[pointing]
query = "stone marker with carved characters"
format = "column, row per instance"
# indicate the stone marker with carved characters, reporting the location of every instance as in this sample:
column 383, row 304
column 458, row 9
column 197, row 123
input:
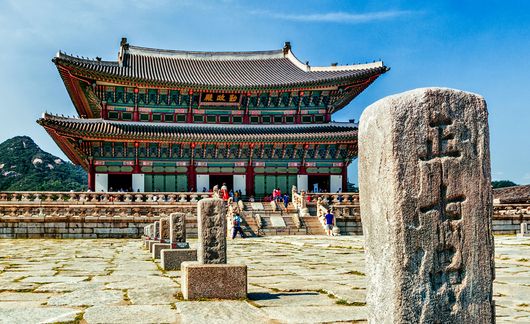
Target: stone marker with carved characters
column 211, row 277
column 179, row 250
column 426, row 206
column 164, row 238
column 211, row 226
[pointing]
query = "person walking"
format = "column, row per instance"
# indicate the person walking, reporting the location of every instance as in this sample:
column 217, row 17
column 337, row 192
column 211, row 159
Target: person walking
column 286, row 200
column 236, row 227
column 329, row 222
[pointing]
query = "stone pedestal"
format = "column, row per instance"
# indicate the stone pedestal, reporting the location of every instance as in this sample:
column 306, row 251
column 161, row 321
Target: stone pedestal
column 173, row 258
column 146, row 243
column 222, row 281
column 524, row 230
column 157, row 247
column 151, row 243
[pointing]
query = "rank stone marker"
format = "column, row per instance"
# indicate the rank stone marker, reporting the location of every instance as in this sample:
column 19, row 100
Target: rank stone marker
column 171, row 259
column 164, row 238
column 156, row 239
column 426, row 206
column 211, row 277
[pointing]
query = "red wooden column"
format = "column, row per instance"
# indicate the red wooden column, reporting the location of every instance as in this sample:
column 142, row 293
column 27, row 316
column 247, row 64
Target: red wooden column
column 344, row 177
column 91, row 176
column 104, row 111
column 192, row 173
column 189, row 115
column 136, row 113
column 250, row 180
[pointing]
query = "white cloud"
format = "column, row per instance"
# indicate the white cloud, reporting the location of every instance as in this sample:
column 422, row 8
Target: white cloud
column 339, row 17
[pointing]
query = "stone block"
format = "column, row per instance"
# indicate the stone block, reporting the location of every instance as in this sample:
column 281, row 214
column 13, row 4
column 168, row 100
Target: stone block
column 151, row 243
column 221, row 281
column 146, row 244
column 426, row 206
column 171, row 259
column 157, row 247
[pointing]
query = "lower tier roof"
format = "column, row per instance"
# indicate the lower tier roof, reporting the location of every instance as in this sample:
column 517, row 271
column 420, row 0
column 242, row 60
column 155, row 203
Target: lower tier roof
column 99, row 129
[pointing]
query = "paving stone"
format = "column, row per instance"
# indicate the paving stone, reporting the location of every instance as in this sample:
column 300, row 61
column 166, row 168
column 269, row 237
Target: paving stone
column 312, row 314
column 18, row 313
column 61, row 287
column 150, row 296
column 82, row 297
column 53, row 279
column 23, row 296
column 131, row 314
column 220, row 312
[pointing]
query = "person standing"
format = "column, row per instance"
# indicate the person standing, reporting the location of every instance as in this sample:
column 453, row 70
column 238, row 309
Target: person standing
column 236, row 227
column 329, row 222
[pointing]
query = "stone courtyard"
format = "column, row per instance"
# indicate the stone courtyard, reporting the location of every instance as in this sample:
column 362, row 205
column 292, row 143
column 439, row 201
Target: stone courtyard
column 292, row 279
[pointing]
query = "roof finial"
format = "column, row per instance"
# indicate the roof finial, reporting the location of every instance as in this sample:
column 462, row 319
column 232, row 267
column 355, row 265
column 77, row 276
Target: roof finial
column 286, row 47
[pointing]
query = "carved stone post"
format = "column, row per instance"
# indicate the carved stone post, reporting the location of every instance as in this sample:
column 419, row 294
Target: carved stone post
column 426, row 206
column 211, row 277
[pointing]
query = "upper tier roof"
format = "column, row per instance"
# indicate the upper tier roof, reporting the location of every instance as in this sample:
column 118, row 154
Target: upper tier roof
column 218, row 70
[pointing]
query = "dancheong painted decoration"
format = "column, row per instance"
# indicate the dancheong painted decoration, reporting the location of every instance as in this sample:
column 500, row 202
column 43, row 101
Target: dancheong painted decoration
column 164, row 120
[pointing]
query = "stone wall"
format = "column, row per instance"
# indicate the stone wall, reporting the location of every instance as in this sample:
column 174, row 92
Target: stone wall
column 507, row 218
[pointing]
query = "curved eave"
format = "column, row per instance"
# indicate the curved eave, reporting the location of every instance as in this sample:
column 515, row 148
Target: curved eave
column 102, row 130
column 68, row 149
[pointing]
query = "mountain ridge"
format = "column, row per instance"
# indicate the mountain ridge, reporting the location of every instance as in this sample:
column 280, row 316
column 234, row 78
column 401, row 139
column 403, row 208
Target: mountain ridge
column 24, row 166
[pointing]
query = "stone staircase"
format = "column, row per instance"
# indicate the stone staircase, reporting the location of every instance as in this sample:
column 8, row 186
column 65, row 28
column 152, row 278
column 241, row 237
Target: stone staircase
column 277, row 221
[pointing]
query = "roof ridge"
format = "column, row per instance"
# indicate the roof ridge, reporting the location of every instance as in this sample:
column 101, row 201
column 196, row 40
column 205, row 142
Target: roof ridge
column 205, row 55
column 71, row 57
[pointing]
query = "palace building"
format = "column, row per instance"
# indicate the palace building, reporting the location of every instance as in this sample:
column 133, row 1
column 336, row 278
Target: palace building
column 165, row 120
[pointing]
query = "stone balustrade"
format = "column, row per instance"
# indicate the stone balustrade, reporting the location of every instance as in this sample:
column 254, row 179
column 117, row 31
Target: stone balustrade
column 114, row 198
column 136, row 208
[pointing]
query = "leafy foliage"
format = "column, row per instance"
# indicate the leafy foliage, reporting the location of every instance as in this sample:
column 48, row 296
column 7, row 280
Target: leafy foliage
column 25, row 167
column 502, row 184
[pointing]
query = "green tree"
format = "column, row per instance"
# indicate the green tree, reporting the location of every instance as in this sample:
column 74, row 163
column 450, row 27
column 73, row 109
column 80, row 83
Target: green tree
column 502, row 184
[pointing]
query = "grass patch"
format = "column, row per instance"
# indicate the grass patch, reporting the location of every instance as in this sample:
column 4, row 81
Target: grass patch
column 20, row 279
column 89, row 278
column 77, row 320
column 355, row 272
column 523, row 260
column 126, row 298
column 253, row 303
column 523, row 305
column 160, row 267
column 347, row 303
column 179, row 296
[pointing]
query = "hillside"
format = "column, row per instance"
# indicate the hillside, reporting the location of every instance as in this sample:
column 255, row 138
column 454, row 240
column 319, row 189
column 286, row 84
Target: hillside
column 24, row 166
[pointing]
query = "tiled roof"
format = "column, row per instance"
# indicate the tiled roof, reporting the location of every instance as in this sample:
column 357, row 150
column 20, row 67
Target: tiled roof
column 197, row 133
column 219, row 70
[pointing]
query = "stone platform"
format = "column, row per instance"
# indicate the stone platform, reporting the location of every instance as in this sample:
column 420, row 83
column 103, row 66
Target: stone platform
column 290, row 279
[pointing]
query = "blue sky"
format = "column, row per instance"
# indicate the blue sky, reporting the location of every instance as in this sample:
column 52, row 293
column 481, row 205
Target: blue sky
column 481, row 47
